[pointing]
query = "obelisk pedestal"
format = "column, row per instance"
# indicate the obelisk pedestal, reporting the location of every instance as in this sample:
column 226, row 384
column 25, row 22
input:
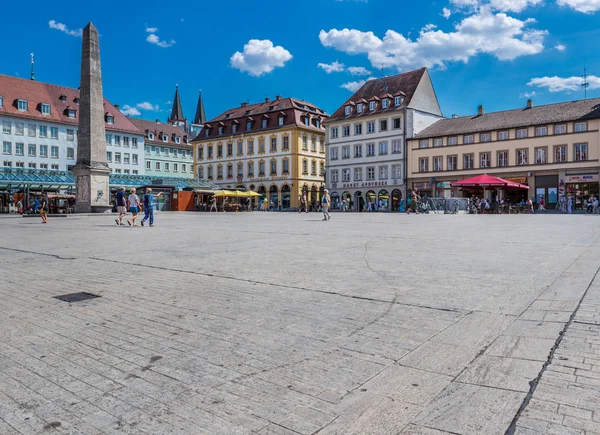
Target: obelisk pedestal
column 91, row 171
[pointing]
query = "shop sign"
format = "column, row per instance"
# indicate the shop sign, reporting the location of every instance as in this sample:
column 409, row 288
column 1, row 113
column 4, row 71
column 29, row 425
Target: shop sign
column 443, row 185
column 522, row 180
column 422, row 186
column 366, row 184
column 590, row 178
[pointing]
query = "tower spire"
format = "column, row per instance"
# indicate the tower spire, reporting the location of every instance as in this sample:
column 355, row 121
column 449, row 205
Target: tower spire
column 200, row 117
column 32, row 77
column 586, row 84
column 177, row 111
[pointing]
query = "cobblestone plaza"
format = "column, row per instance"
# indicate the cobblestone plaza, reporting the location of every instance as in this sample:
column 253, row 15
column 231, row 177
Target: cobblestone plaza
column 280, row 323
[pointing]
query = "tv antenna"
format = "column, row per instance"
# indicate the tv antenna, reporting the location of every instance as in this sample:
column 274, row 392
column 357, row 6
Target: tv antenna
column 586, row 84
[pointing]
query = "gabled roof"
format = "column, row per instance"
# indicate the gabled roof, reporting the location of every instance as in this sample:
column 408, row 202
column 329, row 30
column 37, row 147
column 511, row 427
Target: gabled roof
column 580, row 110
column 36, row 93
column 159, row 127
column 399, row 85
column 177, row 111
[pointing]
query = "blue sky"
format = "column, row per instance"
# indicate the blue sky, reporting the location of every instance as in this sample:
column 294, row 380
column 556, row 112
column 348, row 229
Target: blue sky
column 491, row 52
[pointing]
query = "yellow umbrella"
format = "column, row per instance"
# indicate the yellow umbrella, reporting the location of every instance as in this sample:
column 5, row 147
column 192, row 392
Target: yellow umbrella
column 252, row 193
column 221, row 193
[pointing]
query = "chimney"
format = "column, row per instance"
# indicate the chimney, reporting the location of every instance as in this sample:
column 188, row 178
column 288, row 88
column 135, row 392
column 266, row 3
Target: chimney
column 454, row 116
column 244, row 104
column 117, row 106
column 529, row 104
column 278, row 97
column 158, row 121
column 480, row 110
column 267, row 100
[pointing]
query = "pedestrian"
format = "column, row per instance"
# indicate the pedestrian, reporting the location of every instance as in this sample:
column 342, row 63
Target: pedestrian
column 133, row 201
column 595, row 205
column 569, row 205
column 45, row 206
column 542, row 204
column 590, row 204
column 225, row 204
column 149, row 206
column 326, row 203
column 19, row 207
column 414, row 197
column 121, row 206
column 265, row 204
column 35, row 206
column 213, row 205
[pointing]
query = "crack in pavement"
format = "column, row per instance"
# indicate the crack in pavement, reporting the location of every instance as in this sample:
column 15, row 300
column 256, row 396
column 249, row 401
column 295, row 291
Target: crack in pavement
column 535, row 382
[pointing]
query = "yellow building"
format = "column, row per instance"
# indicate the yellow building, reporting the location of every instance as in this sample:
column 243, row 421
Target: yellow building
column 554, row 148
column 275, row 148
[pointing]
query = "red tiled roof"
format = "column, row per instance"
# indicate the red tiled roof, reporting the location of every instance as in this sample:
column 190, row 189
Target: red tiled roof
column 158, row 127
column 293, row 111
column 36, row 93
column 402, row 84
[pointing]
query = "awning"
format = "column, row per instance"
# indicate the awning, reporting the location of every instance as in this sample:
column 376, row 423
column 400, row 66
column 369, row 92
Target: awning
column 486, row 181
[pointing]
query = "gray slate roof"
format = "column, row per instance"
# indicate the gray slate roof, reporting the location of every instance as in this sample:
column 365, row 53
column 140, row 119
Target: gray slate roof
column 541, row 115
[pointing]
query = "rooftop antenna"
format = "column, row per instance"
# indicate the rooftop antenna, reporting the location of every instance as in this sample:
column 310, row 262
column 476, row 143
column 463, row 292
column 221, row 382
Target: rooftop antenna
column 32, row 68
column 586, row 84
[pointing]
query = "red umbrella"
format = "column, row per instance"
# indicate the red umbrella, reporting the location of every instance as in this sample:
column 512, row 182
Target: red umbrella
column 486, row 181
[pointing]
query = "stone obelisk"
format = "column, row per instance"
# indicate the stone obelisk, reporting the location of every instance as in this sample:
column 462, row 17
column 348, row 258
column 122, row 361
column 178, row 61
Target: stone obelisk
column 91, row 171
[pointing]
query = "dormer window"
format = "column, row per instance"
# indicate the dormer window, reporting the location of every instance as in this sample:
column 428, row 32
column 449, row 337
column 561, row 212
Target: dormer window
column 249, row 125
column 110, row 119
column 220, row 131
column 360, row 107
column 307, row 120
column 63, row 98
column 22, row 105
column 150, row 135
column 177, row 140
column 281, row 121
column 372, row 105
column 397, row 101
column 264, row 123
column 348, row 110
column 165, row 138
column 235, row 128
column 71, row 113
column 76, row 100
column 228, row 115
column 45, row 109
column 1, row 101
column 318, row 123
column 385, row 103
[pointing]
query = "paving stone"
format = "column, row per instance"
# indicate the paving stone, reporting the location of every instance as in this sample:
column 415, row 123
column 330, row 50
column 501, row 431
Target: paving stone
column 274, row 323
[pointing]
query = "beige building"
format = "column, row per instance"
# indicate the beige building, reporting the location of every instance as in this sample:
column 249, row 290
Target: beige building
column 275, row 148
column 553, row 148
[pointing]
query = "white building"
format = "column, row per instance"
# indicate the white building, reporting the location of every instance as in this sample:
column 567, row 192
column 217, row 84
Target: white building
column 366, row 139
column 39, row 129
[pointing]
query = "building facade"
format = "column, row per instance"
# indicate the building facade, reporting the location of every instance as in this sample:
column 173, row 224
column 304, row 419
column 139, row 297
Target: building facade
column 366, row 140
column 554, row 149
column 275, row 148
column 39, row 129
column 167, row 151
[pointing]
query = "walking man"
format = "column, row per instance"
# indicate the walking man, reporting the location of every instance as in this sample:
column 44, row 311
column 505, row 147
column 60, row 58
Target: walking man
column 326, row 203
column 149, row 206
column 414, row 197
column 121, row 206
column 44, row 208
column 213, row 205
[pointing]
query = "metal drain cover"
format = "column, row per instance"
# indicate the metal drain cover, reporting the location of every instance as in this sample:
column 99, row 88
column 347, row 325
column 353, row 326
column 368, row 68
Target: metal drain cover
column 77, row 297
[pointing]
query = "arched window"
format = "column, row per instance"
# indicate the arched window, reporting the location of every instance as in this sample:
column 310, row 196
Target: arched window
column 285, row 196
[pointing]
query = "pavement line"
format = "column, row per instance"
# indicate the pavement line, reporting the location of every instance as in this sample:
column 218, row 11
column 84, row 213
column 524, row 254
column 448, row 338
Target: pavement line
column 534, row 383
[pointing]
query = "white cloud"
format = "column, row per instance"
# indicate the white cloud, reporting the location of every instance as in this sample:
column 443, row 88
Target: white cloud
column 63, row 28
column 527, row 94
column 130, row 111
column 147, row 106
column 355, row 86
column 154, row 39
column 260, row 57
column 151, row 29
column 484, row 32
column 499, row 5
column 358, row 71
column 331, row 67
column 564, row 84
column 560, row 47
column 585, row 6
column 446, row 13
